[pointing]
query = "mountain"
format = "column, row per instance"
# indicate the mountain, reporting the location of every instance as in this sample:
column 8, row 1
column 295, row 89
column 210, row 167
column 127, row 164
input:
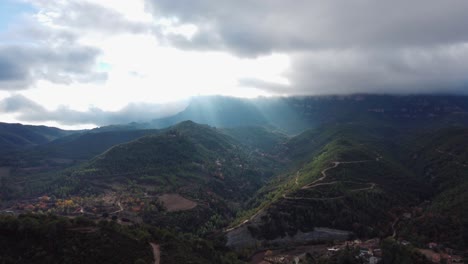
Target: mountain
column 15, row 136
column 439, row 158
column 217, row 111
column 185, row 152
column 258, row 137
column 271, row 176
column 343, row 177
column 293, row 115
column 76, row 147
column 188, row 163
column 352, row 180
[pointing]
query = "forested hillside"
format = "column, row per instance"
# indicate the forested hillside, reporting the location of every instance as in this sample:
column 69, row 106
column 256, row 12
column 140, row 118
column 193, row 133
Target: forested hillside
column 14, row 136
column 52, row 239
column 358, row 173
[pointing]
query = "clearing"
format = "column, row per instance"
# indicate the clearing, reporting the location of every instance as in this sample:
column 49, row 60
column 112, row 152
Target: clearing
column 174, row 202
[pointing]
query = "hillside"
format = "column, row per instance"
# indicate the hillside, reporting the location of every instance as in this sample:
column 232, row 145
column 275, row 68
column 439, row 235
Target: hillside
column 52, row 239
column 440, row 159
column 15, row 136
column 342, row 180
column 76, row 147
column 257, row 137
column 186, row 154
column 201, row 175
column 368, row 167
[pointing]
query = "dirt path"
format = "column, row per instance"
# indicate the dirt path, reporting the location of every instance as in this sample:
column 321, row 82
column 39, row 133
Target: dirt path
column 312, row 185
column 317, row 183
column 245, row 221
column 324, row 175
column 120, row 208
column 371, row 187
column 393, row 227
column 296, row 180
column 324, row 171
column 156, row 253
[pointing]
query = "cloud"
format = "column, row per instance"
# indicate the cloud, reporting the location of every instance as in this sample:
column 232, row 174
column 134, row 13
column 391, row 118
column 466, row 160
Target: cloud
column 21, row 66
column 255, row 27
column 47, row 45
column 86, row 16
column 336, row 46
column 276, row 88
column 27, row 110
column 406, row 70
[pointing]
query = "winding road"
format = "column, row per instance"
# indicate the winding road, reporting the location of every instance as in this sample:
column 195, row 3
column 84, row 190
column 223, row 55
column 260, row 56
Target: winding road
column 156, row 253
column 317, row 183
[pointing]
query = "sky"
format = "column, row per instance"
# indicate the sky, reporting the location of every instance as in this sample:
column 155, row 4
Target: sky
column 86, row 63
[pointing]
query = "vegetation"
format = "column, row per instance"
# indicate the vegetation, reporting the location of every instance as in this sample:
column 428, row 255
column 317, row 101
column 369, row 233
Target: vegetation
column 394, row 252
column 257, row 137
column 52, row 239
column 17, row 136
column 377, row 166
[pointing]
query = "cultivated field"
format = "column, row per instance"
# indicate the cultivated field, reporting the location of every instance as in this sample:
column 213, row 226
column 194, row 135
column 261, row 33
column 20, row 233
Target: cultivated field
column 175, row 202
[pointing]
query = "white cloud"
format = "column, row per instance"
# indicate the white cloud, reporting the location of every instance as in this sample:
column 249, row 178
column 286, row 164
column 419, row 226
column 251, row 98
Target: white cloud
column 140, row 68
column 155, row 51
column 335, row 46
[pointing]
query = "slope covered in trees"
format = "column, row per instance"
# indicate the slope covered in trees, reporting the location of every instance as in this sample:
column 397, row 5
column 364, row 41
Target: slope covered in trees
column 369, row 166
column 52, row 239
column 15, row 136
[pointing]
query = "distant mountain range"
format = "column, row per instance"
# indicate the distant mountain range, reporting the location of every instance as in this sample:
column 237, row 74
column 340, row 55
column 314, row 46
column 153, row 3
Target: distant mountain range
column 293, row 115
column 14, row 136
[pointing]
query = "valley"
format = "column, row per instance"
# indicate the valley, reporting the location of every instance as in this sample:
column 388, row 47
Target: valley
column 362, row 188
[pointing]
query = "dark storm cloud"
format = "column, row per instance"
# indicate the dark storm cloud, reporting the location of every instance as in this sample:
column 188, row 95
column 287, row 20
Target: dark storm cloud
column 27, row 110
column 22, row 65
column 254, row 26
column 336, row 46
column 443, row 69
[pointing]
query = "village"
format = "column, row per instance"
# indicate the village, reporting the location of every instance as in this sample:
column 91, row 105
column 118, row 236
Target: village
column 126, row 209
column 119, row 207
column 368, row 251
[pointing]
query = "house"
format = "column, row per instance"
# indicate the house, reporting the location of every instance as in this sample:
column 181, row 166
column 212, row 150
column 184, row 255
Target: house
column 29, row 207
column 432, row 245
column 405, row 243
column 364, row 251
column 407, row 215
column 44, row 198
column 333, row 249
